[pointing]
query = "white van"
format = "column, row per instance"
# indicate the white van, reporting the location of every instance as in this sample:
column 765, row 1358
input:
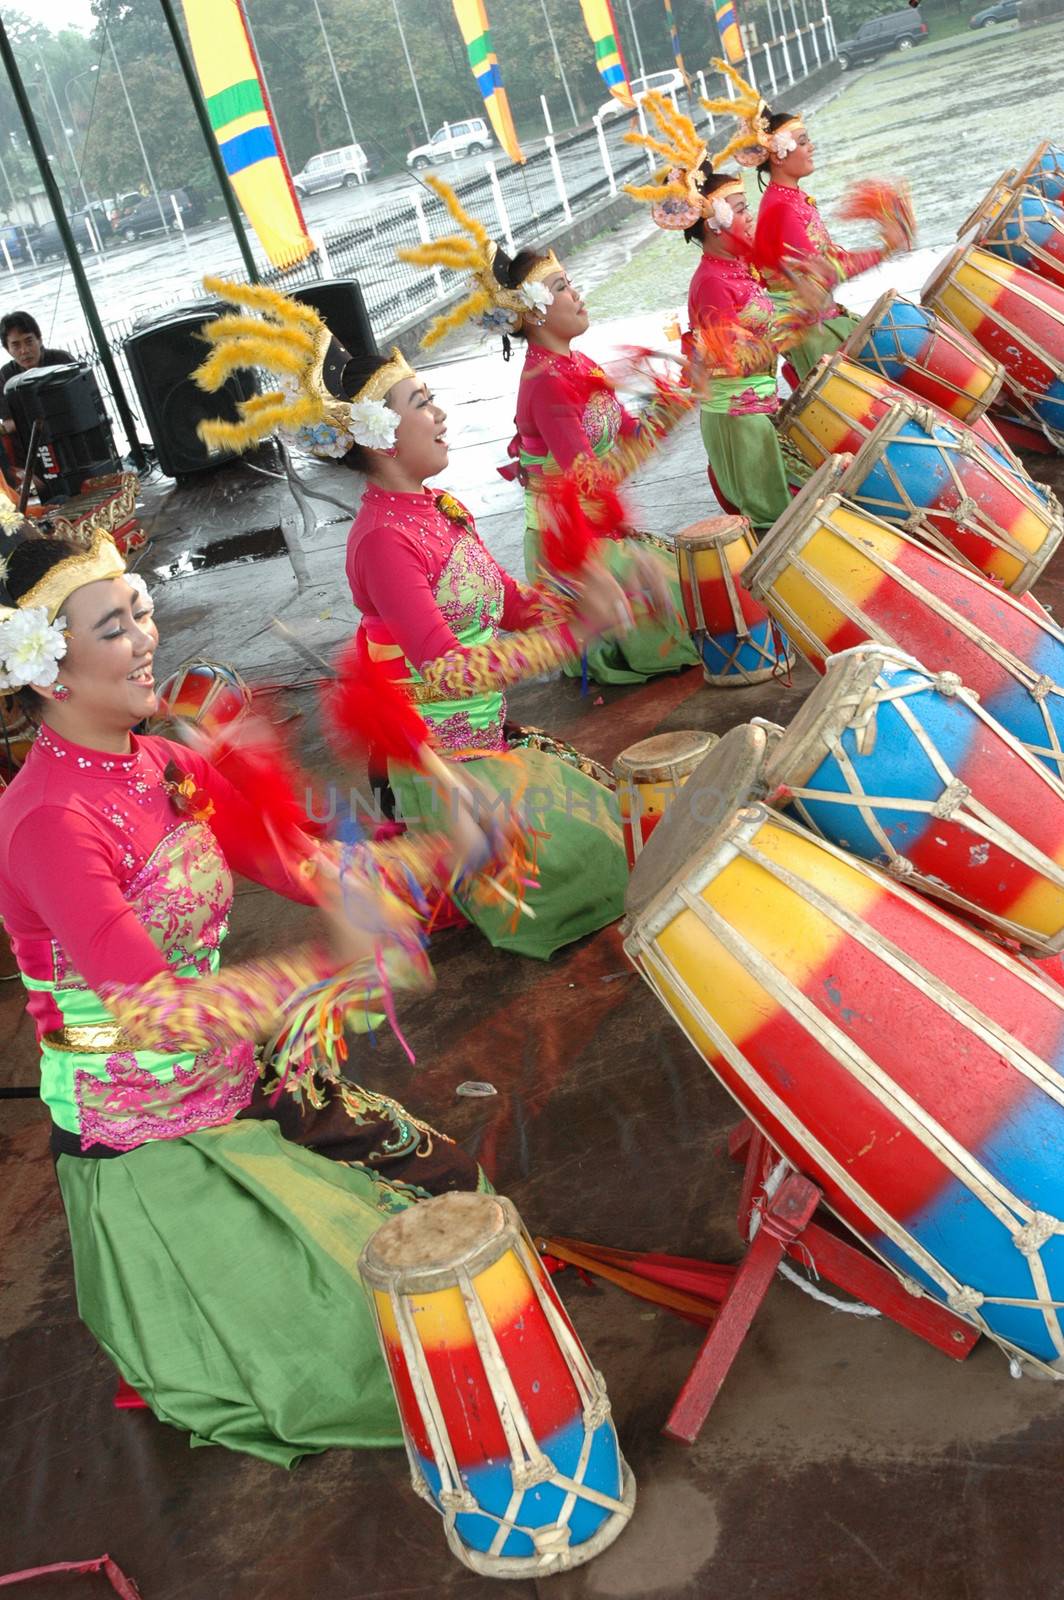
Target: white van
column 667, row 83
column 449, row 143
column 332, row 169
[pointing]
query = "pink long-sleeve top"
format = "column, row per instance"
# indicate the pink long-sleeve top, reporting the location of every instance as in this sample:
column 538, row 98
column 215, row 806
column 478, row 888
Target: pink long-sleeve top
column 789, row 225
column 723, row 288
column 397, row 549
column 77, row 828
column 564, row 405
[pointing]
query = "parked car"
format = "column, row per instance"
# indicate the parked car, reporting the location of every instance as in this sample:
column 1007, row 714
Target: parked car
column 897, row 30
column 449, row 143
column 144, row 217
column 663, row 82
column 332, row 169
column 48, row 242
column 1003, row 11
column 17, row 237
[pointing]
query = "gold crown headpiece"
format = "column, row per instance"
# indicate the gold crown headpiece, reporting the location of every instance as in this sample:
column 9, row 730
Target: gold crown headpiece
column 753, row 144
column 290, row 341
column 675, row 197
column 99, row 559
column 489, row 303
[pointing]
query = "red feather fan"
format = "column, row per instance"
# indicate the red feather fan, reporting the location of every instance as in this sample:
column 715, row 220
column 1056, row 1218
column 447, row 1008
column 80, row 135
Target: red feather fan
column 880, row 201
column 365, row 709
column 568, row 534
column 251, row 755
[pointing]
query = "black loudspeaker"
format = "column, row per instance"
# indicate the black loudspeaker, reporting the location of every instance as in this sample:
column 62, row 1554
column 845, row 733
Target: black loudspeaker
column 74, row 431
column 339, row 304
column 163, row 352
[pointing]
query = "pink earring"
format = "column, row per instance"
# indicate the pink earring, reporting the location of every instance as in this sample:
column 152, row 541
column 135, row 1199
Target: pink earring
column 60, row 691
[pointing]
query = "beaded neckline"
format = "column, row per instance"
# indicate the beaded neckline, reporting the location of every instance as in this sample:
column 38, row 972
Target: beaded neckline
column 84, row 759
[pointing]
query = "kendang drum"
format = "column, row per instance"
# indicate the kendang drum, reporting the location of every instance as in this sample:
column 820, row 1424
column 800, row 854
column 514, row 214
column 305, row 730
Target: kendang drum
column 507, row 1425
column 207, row 694
column 737, row 639
column 904, row 768
column 923, row 470
column 1017, row 317
column 1044, row 172
column 990, row 205
column 649, row 775
column 893, row 1056
column 910, row 347
column 836, row 576
column 1028, row 230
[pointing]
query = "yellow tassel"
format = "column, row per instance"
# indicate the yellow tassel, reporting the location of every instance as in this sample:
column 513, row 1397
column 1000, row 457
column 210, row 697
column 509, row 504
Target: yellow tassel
column 450, row 251
column 213, row 372
column 656, row 191
column 742, row 141
column 234, row 327
column 470, row 224
column 270, row 302
column 268, row 412
column 473, row 305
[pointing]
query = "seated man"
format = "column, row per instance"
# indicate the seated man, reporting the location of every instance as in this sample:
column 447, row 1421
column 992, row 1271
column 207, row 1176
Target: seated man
column 20, row 336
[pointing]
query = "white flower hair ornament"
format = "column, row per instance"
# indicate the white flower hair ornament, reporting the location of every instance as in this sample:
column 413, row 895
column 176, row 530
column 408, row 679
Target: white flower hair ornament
column 136, row 582
column 31, row 648
column 782, row 143
column 535, row 295
column 373, row 424
column 719, row 215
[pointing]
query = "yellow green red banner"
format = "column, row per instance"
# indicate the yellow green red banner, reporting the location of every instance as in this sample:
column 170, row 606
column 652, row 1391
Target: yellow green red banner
column 473, row 20
column 609, row 58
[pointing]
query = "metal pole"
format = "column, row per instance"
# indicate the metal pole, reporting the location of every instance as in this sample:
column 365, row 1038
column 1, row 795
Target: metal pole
column 336, row 75
column 635, row 37
column 59, row 117
column 829, row 30
column 811, row 30
column 546, row 115
column 136, row 129
column 558, row 62
column 604, row 152
column 704, row 92
column 14, row 204
column 801, row 42
column 410, row 69
column 77, row 271
column 203, row 118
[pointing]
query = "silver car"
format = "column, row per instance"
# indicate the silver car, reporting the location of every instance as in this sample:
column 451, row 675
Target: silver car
column 332, row 169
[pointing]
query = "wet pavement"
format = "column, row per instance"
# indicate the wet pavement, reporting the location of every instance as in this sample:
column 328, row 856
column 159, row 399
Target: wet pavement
column 843, row 1458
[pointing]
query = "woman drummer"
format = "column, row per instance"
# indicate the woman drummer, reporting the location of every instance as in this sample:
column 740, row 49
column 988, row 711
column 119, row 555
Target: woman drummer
column 568, row 420
column 215, row 1250
column 790, row 228
column 440, row 615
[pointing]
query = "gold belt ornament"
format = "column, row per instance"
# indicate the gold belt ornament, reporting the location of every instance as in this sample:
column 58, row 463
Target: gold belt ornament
column 88, row 1039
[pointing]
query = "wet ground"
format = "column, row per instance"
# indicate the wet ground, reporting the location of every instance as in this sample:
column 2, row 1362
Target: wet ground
column 844, row 1459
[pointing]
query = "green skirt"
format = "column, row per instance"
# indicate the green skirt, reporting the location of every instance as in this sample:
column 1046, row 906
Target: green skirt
column 650, row 648
column 745, row 455
column 823, row 340
column 219, row 1271
column 581, row 869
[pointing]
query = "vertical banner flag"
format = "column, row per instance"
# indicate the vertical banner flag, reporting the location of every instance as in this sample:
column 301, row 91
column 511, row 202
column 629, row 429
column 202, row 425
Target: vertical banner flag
column 243, row 125
column 731, row 40
column 598, row 18
column 473, row 21
column 674, row 35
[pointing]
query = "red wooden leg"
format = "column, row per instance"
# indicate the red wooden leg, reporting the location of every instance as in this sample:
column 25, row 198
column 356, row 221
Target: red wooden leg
column 782, row 1221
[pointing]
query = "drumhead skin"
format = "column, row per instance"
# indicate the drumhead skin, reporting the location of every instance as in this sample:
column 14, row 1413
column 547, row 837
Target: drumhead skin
column 664, row 755
column 700, row 535
column 730, row 777
column 424, row 1246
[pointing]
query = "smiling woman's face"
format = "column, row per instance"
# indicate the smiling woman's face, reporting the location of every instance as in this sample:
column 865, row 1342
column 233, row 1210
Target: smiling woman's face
column 107, row 669
column 421, row 437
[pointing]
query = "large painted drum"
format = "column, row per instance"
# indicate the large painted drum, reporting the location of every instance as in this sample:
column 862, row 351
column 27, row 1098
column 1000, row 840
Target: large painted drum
column 1028, row 230
column 207, row 694
column 892, row 1055
column 1015, row 316
column 991, row 203
column 930, row 475
column 507, row 1424
column 836, row 576
column 737, row 638
column 910, row 347
column 649, row 775
column 1044, row 172
column 904, row 768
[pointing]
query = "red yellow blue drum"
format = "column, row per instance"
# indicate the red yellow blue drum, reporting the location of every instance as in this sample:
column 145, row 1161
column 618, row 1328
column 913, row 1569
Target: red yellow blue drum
column 1027, row 229
column 649, row 776
column 736, row 637
column 911, row 348
column 507, row 1424
column 836, row 576
column 890, row 1053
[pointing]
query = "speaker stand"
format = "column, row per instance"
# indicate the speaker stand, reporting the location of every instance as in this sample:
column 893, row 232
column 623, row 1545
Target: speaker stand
column 302, row 494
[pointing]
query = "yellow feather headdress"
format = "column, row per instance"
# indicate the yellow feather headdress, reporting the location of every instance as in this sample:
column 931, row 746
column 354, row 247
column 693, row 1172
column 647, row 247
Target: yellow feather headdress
column 488, row 302
column 290, row 341
column 675, row 197
column 753, row 143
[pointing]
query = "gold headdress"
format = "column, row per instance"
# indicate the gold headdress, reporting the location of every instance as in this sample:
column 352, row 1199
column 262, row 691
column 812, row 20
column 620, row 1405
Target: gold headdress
column 489, row 303
column 290, row 341
column 753, row 144
column 32, row 633
column 675, row 197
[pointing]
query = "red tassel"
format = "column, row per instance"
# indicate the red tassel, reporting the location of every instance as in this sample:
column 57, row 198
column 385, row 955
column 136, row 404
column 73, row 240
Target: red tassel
column 365, row 709
column 568, row 535
column 251, row 755
column 879, row 200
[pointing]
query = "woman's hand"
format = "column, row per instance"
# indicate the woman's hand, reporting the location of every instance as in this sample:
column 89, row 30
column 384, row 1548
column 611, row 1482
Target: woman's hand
column 602, row 605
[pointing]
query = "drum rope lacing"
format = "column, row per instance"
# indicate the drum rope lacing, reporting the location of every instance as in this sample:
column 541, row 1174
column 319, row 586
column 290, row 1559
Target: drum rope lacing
column 1038, row 685
column 939, row 332
column 729, row 666
column 529, row 1464
column 993, row 1194
column 955, row 803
